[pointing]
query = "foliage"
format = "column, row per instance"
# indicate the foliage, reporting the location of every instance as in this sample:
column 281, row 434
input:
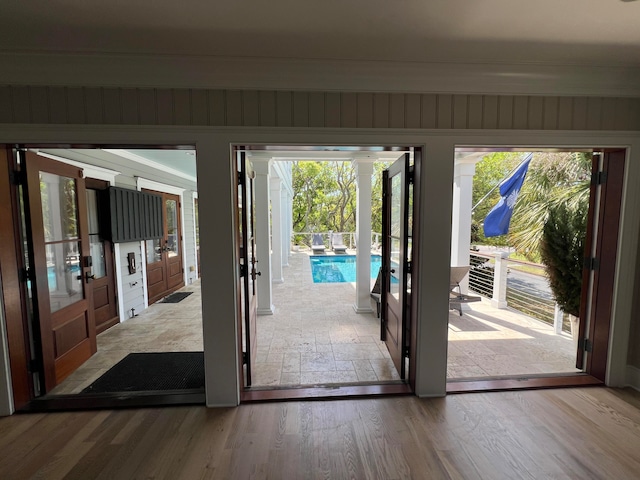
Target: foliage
column 325, row 197
column 562, row 251
column 553, row 179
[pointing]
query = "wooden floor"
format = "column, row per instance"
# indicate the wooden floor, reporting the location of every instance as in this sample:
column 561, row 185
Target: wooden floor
column 564, row 433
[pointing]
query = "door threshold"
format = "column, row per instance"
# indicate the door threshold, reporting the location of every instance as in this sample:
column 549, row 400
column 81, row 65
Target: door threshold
column 521, row 383
column 116, row 400
column 318, row 392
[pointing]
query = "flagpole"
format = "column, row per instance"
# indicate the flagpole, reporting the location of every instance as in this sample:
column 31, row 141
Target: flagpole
column 498, row 184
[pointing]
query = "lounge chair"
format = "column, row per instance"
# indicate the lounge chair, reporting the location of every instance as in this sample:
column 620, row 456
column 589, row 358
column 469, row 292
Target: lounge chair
column 456, row 299
column 337, row 244
column 317, row 243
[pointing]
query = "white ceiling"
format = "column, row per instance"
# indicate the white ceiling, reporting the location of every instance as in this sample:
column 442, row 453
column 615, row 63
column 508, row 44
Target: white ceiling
column 561, row 32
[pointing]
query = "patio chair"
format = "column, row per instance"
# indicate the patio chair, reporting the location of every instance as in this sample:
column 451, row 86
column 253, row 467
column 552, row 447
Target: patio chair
column 376, row 291
column 456, row 299
column 317, row 243
column 337, row 243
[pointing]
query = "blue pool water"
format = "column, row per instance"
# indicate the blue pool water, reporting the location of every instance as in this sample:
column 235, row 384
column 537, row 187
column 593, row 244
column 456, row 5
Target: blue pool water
column 339, row 268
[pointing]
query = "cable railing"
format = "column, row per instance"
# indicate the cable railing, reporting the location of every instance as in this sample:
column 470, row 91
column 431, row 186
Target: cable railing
column 517, row 284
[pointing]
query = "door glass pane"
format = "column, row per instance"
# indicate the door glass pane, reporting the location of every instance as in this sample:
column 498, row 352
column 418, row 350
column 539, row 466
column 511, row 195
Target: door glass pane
column 153, row 251
column 99, row 267
column 396, row 205
column 59, row 207
column 172, row 227
column 394, row 284
column 64, row 274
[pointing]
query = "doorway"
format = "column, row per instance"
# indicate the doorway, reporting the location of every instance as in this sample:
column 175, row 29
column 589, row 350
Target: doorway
column 307, row 347
column 504, row 326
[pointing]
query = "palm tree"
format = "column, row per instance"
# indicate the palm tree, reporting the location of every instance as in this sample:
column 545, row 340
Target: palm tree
column 553, row 180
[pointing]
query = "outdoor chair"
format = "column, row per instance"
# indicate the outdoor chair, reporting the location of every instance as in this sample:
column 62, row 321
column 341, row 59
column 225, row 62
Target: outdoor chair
column 317, row 243
column 337, row 243
column 376, row 291
column 456, row 299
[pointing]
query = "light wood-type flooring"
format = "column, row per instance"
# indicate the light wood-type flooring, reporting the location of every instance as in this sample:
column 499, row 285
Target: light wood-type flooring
column 581, row 433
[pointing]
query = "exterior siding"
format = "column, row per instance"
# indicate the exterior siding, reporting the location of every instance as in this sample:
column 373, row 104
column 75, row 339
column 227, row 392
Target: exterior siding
column 202, row 107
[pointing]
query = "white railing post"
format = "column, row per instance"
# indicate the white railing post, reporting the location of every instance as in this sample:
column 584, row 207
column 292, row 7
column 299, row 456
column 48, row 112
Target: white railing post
column 499, row 299
column 558, row 314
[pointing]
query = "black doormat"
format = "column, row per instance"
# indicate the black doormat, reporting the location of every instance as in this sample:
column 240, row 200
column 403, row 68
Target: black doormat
column 175, row 297
column 152, row 371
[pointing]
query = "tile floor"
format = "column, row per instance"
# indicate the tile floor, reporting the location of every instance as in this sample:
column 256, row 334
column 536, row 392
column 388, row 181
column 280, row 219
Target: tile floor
column 315, row 337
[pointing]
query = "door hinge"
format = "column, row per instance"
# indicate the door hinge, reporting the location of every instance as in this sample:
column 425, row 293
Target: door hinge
column 408, row 267
column 591, row 263
column 243, row 270
column 240, row 178
column 405, row 352
column 600, row 178
column 586, row 345
column 244, row 358
column 16, row 177
column 410, row 174
column 24, row 274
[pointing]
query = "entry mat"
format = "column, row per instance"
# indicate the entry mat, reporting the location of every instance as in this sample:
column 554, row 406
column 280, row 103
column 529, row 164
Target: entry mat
column 152, row 371
column 175, row 297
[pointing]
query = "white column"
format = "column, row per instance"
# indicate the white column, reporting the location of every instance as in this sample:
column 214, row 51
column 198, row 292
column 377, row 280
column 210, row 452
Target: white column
column 263, row 236
column 364, row 170
column 461, row 217
column 276, row 229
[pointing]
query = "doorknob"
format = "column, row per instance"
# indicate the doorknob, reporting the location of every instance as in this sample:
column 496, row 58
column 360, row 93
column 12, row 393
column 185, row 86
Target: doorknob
column 89, row 277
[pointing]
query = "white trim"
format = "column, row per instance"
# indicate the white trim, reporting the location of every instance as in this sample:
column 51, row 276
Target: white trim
column 149, row 163
column 160, row 187
column 633, row 377
column 119, row 281
column 194, row 197
column 193, row 71
column 143, row 265
column 89, row 171
column 163, row 187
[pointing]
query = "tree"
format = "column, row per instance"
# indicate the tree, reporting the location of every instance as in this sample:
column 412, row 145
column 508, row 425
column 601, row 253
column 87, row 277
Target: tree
column 562, row 251
column 553, row 179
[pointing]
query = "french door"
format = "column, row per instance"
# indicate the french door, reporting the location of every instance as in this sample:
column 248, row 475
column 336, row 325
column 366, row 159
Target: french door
column 60, row 257
column 396, row 261
column 102, row 271
column 247, row 268
column 164, row 255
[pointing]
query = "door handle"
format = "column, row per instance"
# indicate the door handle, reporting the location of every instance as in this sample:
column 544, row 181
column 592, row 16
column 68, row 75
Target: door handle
column 89, row 277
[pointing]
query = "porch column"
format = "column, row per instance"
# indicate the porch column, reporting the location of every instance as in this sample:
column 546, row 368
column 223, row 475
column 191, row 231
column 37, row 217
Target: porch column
column 364, row 170
column 465, row 168
column 263, row 236
column 276, row 229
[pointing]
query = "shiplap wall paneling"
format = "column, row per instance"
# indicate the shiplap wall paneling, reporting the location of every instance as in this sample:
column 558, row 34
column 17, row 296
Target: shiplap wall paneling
column 284, row 109
column 429, row 107
column 349, row 110
column 267, row 109
column 475, row 109
column 444, row 107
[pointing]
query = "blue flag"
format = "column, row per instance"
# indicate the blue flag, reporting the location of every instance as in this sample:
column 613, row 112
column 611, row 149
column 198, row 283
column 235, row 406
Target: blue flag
column 498, row 219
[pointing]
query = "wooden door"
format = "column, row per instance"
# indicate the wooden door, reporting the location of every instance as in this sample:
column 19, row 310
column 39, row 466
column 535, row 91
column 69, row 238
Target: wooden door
column 102, row 270
column 61, row 259
column 248, row 261
column 601, row 249
column 395, row 261
column 164, row 255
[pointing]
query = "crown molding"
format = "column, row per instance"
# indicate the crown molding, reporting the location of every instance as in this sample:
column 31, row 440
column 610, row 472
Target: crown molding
column 168, row 71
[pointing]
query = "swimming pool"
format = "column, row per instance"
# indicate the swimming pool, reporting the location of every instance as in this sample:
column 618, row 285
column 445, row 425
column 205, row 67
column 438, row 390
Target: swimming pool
column 339, row 268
